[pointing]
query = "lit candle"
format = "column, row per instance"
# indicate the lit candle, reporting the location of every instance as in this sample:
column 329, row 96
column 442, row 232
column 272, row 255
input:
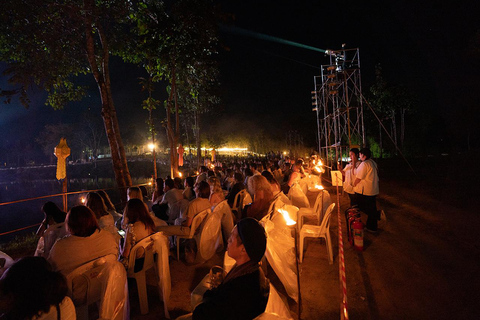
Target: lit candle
column 286, row 216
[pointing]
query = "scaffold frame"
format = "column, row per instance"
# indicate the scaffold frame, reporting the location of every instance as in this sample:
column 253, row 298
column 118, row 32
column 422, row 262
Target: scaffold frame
column 337, row 100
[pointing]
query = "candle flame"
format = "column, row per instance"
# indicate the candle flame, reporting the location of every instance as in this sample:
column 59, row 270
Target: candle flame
column 180, row 174
column 150, row 183
column 287, row 218
column 319, row 187
column 83, row 200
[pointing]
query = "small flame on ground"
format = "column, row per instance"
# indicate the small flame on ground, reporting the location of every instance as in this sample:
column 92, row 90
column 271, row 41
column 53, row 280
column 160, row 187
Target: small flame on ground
column 287, row 218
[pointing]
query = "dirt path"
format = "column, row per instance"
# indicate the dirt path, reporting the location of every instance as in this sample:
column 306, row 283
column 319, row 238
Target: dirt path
column 423, row 264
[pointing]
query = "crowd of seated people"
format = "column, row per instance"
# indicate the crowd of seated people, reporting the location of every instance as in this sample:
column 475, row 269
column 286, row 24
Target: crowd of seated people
column 90, row 231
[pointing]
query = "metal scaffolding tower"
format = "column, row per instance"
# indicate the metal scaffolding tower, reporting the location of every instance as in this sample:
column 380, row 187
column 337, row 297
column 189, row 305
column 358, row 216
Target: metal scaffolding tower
column 337, row 100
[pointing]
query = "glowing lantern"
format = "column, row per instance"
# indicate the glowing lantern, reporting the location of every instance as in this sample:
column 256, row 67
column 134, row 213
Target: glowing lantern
column 180, row 152
column 61, row 151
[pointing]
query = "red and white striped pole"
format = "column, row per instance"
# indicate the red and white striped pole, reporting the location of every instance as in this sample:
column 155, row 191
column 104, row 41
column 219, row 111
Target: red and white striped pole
column 341, row 260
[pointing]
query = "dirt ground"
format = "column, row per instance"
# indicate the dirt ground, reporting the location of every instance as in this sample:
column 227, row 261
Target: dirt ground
column 424, row 263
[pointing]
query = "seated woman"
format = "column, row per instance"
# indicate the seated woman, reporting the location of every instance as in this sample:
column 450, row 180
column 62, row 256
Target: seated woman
column 262, row 197
column 139, row 225
column 158, row 192
column 85, row 243
column 29, row 289
column 105, row 220
column 201, row 203
column 51, row 229
column 216, row 192
column 188, row 192
column 110, row 207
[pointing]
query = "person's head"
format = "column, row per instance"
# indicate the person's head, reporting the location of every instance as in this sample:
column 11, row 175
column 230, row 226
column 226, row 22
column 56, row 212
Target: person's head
column 202, row 189
column 203, row 169
column 134, row 193
column 238, row 177
column 144, row 190
column 189, row 182
column 106, row 199
column 30, row 287
column 248, row 172
column 136, row 210
column 230, row 173
column 96, row 204
column 247, row 241
column 210, row 173
column 259, row 183
column 354, row 153
column 365, row 154
column 271, row 179
column 177, row 181
column 53, row 213
column 159, row 185
column 81, row 221
column 214, row 185
column 168, row 184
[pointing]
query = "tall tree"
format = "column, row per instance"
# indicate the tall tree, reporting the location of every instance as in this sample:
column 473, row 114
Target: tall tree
column 48, row 43
column 177, row 42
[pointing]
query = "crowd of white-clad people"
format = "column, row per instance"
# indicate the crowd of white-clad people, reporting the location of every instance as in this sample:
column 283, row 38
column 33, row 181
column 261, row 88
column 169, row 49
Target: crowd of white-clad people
column 36, row 287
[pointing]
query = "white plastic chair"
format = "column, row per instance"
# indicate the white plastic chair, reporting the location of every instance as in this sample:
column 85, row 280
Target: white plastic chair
column 100, row 281
column 154, row 250
column 242, row 198
column 298, row 197
column 321, row 204
column 321, row 231
column 197, row 221
column 209, row 238
column 227, row 217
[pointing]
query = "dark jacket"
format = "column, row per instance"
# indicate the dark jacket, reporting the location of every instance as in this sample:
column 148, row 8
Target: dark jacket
column 242, row 298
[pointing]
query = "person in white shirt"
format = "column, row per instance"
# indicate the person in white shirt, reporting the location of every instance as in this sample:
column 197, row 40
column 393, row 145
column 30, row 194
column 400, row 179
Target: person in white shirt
column 366, row 188
column 171, row 197
column 349, row 172
column 85, row 243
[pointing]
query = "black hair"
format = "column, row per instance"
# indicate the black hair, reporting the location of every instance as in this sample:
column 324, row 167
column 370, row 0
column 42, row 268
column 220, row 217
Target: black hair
column 33, row 288
column 52, row 210
column 169, row 183
column 190, row 181
column 366, row 152
column 355, row 150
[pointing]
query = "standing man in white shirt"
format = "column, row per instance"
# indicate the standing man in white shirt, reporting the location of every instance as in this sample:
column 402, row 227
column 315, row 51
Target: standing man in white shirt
column 366, row 188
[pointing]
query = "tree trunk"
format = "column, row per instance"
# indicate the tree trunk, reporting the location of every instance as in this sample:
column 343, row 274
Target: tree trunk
column 101, row 75
column 197, row 138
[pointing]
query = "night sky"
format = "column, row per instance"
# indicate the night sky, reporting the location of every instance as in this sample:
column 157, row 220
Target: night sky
column 425, row 45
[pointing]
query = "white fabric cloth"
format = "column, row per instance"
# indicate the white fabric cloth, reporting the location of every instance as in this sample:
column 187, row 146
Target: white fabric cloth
column 161, row 247
column 67, row 311
column 171, row 197
column 103, row 280
column 71, row 252
column 350, row 176
column 368, row 174
column 50, row 236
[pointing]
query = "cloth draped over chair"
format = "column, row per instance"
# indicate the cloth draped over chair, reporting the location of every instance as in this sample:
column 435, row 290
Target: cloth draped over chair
column 280, row 252
column 104, row 280
column 161, row 246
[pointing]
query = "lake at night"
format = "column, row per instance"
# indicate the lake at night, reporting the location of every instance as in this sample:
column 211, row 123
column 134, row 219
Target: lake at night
column 25, row 183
